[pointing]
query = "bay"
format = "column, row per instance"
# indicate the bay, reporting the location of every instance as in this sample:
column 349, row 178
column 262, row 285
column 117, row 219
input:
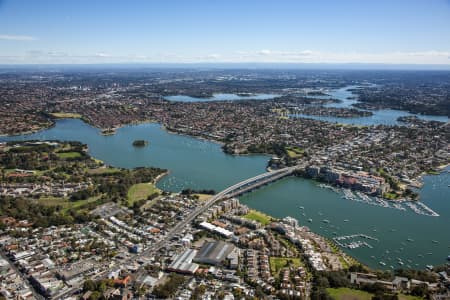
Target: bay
column 193, row 163
column 379, row 117
column 200, row 164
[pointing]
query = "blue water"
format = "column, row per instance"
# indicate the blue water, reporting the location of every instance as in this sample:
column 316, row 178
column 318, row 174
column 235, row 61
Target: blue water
column 220, row 97
column 391, row 227
column 382, row 116
column 199, row 164
column 192, row 162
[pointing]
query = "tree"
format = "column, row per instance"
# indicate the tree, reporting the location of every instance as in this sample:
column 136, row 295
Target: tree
column 320, row 294
column 420, row 290
column 102, row 287
column 322, row 282
column 89, row 285
column 198, row 292
column 95, row 295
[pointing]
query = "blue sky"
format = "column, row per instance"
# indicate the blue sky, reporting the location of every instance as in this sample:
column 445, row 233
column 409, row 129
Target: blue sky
column 319, row 31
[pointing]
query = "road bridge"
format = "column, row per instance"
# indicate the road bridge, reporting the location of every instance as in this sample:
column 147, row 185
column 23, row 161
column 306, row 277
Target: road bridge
column 232, row 191
column 237, row 189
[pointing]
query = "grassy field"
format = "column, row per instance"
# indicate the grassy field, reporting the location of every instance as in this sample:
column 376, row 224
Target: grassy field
column 65, row 203
column 352, row 294
column 99, row 171
column 258, row 217
column 62, row 115
column 68, row 155
column 390, row 196
column 278, row 263
column 287, row 244
column 349, row 294
column 433, row 172
column 203, row 197
column 295, row 152
column 141, row 191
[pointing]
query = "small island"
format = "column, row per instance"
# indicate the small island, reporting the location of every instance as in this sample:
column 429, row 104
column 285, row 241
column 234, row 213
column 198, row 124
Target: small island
column 108, row 131
column 140, row 143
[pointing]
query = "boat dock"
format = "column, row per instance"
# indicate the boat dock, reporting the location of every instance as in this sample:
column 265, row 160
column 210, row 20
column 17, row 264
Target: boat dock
column 354, row 241
column 421, row 209
column 417, row 207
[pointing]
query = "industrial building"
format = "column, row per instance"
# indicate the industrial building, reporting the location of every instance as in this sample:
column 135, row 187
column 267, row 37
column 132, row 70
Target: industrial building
column 182, row 263
column 77, row 269
column 216, row 229
column 213, row 253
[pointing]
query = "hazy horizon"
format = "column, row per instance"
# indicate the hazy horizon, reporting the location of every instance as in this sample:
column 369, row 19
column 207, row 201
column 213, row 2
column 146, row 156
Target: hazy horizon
column 231, row 66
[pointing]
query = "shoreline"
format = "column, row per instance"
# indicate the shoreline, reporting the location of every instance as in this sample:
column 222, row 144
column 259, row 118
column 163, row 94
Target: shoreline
column 5, row 135
column 168, row 130
column 442, row 168
column 347, row 257
column 439, row 169
column 418, row 179
column 162, row 175
column 159, row 177
column 117, row 127
column 84, row 120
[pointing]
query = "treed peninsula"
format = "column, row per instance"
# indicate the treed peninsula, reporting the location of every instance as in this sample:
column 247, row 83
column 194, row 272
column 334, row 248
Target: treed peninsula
column 140, row 143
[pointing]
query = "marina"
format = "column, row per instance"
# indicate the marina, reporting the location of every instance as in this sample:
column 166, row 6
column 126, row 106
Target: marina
column 416, row 206
column 392, row 227
column 421, row 209
column 354, row 241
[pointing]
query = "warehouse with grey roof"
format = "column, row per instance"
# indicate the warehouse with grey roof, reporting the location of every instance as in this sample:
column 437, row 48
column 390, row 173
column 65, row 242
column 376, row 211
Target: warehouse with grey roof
column 213, row 253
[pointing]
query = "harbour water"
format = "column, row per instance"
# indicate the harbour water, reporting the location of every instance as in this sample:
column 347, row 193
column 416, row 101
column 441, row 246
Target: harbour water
column 417, row 240
column 193, row 163
column 382, row 116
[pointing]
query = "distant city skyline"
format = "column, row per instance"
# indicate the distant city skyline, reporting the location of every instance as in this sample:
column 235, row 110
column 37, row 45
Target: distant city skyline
column 205, row 31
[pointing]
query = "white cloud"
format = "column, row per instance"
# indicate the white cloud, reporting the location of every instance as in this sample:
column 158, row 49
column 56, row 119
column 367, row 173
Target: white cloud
column 213, row 56
column 57, row 54
column 265, row 52
column 307, row 52
column 8, row 37
column 428, row 53
column 312, row 56
column 102, row 54
column 35, row 53
column 256, row 56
